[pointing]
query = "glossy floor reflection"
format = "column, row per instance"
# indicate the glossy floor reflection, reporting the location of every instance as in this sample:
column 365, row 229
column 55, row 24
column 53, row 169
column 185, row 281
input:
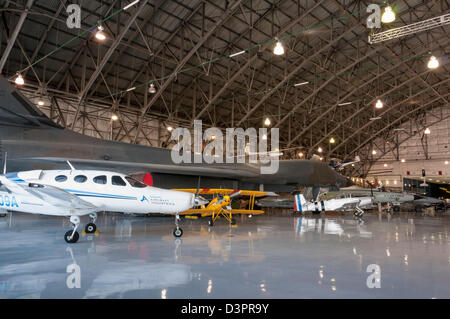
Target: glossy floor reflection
column 277, row 256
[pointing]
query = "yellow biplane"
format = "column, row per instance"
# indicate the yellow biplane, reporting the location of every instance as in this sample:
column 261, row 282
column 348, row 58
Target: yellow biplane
column 220, row 205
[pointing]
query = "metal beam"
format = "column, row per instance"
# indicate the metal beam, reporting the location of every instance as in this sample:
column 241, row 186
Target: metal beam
column 106, row 57
column 14, row 35
column 180, row 65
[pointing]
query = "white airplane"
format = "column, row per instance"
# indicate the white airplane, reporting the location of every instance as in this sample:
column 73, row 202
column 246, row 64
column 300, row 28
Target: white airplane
column 341, row 204
column 340, row 165
column 103, row 191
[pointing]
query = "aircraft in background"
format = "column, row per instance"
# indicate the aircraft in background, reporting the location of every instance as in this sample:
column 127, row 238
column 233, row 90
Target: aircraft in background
column 338, row 165
column 335, row 204
column 33, row 141
column 378, row 195
column 107, row 191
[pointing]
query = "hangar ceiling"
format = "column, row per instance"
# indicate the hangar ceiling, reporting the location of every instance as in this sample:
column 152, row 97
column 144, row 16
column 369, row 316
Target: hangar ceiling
column 325, row 85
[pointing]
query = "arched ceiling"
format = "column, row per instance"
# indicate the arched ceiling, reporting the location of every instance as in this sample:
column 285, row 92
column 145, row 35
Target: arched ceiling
column 184, row 48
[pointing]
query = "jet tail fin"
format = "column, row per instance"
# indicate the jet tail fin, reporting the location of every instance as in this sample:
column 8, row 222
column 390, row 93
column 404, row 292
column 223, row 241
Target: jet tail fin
column 300, row 201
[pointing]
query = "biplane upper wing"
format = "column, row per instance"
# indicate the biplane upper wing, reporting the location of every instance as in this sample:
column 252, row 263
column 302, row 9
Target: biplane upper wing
column 223, row 191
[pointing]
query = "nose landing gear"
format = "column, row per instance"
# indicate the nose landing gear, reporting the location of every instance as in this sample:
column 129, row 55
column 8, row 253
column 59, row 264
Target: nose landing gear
column 72, row 236
column 177, row 232
column 359, row 212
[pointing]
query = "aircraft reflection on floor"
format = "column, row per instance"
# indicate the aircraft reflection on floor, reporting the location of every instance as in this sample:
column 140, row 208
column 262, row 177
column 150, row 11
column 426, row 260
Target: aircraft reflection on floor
column 331, row 226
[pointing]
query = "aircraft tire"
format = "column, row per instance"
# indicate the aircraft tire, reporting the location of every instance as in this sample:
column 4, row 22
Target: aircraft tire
column 90, row 228
column 75, row 238
column 210, row 222
column 178, row 232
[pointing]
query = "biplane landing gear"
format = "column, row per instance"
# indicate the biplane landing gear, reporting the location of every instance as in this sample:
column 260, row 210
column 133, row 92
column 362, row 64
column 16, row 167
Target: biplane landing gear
column 211, row 222
column 177, row 232
column 72, row 236
column 91, row 227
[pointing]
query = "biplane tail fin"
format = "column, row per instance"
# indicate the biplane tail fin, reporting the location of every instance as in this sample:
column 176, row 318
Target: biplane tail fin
column 300, row 201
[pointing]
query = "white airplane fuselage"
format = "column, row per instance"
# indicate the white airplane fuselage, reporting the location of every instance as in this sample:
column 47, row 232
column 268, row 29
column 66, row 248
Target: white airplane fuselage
column 110, row 191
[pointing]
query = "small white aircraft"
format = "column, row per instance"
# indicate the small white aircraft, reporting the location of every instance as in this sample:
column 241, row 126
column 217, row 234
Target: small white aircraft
column 98, row 190
column 338, row 165
column 337, row 204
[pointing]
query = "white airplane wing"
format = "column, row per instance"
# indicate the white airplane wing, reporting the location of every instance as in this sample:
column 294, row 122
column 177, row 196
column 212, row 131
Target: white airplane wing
column 60, row 201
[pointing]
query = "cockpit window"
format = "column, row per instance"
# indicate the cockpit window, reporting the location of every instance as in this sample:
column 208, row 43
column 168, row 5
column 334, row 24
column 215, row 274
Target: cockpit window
column 80, row 179
column 135, row 183
column 118, row 181
column 100, row 179
column 61, row 178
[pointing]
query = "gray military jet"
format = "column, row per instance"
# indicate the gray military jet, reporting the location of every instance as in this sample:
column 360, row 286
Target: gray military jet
column 33, row 141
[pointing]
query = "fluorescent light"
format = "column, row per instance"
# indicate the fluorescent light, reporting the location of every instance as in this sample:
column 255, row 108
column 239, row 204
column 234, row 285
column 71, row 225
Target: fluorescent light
column 346, row 103
column 375, row 118
column 238, row 53
column 131, row 4
column 302, row 83
column 131, row 89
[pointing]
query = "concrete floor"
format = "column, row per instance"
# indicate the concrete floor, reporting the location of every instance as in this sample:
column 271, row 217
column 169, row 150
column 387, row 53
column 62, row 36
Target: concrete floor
column 276, row 256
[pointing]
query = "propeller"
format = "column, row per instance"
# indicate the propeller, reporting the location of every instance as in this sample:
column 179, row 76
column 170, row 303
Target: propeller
column 199, row 200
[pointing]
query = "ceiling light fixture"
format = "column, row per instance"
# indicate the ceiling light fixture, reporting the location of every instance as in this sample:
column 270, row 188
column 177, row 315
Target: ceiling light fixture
column 320, row 150
column 379, row 104
column 332, row 140
column 19, row 79
column 388, row 15
column 433, row 63
column 40, row 102
column 170, row 128
column 267, row 122
column 427, row 131
column 279, row 48
column 114, row 117
column 100, row 35
column 152, row 89
column 302, row 83
column 346, row 103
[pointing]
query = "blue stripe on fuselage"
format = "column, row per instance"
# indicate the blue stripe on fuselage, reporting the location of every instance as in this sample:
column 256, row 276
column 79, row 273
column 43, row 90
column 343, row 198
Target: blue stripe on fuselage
column 100, row 195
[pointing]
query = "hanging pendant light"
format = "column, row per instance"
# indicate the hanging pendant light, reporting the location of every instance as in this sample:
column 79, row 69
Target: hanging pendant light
column 19, row 79
column 388, row 15
column 379, row 104
column 279, row 48
column 433, row 63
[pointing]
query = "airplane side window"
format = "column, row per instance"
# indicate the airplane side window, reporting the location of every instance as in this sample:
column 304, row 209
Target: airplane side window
column 135, row 183
column 61, row 178
column 100, row 179
column 118, row 181
column 80, row 179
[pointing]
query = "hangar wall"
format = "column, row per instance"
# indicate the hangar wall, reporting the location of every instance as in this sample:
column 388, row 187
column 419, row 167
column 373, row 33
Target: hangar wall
column 430, row 152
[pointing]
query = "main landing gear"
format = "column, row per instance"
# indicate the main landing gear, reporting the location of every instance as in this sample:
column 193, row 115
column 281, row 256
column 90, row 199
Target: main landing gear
column 177, row 232
column 359, row 212
column 91, row 227
column 72, row 236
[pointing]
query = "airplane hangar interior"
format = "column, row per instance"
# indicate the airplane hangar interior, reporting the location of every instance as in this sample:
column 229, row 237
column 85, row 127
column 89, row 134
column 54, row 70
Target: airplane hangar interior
column 229, row 149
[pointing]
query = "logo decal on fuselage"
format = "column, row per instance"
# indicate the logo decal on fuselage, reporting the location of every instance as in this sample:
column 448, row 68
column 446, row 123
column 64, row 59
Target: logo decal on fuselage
column 144, row 198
